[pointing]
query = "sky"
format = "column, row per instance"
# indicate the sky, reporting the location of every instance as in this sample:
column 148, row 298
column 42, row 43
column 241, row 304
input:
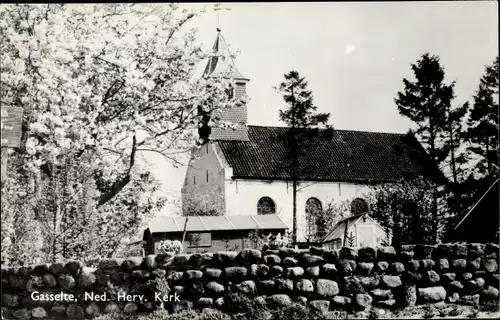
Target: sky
column 353, row 54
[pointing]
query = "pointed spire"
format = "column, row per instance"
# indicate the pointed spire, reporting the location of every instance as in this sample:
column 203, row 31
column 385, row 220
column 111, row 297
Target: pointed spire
column 221, row 61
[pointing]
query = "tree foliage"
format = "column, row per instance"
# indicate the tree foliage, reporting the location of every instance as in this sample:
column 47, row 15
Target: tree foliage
column 303, row 122
column 101, row 85
column 403, row 209
column 482, row 131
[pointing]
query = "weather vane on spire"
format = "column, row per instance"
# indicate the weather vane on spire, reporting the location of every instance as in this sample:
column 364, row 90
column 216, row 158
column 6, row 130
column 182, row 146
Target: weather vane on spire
column 218, row 7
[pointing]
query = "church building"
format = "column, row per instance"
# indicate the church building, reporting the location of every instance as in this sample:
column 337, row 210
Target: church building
column 240, row 171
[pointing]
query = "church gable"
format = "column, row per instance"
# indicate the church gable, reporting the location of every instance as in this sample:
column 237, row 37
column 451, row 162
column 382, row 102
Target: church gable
column 345, row 155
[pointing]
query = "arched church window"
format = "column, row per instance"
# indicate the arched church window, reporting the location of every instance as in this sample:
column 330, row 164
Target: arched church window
column 313, row 216
column 358, row 206
column 266, row 206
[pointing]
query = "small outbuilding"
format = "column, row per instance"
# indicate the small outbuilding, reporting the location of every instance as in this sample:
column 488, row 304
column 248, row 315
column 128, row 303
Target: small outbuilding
column 210, row 233
column 357, row 231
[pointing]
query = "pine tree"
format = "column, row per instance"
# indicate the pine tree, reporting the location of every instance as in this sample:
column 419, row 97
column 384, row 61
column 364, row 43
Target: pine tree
column 482, row 132
column 426, row 101
column 302, row 119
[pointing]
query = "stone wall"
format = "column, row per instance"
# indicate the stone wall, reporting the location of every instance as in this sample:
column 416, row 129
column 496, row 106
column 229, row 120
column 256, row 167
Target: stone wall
column 346, row 279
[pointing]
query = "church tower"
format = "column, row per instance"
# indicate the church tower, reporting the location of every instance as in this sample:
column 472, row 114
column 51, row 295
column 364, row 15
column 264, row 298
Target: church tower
column 221, row 62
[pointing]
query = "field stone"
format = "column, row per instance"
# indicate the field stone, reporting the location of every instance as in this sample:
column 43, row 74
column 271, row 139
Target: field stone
column 290, row 262
column 467, row 276
column 247, row 287
column 459, row 264
column 363, row 301
column 109, row 263
column 283, row 284
column 74, row 267
column 41, row 269
column 391, row 281
column 75, row 312
column 369, row 282
column 320, row 305
column 326, row 288
column 304, row 285
column 331, row 256
column 132, row 263
column 280, row 300
column 432, row 277
column 381, row 294
column 272, row 259
column 398, row 268
column 448, row 277
column 344, row 267
column 490, row 265
column 200, row 259
column 453, row 298
column 365, row 267
column 351, row 285
column 427, row 264
column 58, row 311
column 312, row 260
column 92, row 310
column 10, row 300
column 215, row 287
column 456, row 285
column 66, row 282
column 294, row 272
column 249, row 255
column 111, row 308
column 475, row 250
column 313, row 271
column 87, row 280
column 22, row 314
column 470, row 300
column 341, row 301
column 477, row 283
column 382, row 266
column 235, row 272
column 317, row 250
column 387, row 253
column 475, row 264
column 259, row 270
column 329, row 270
column 348, row 253
column 276, row 270
column 175, row 276
column 367, row 254
column 212, row 273
column 460, row 250
column 219, row 302
column 412, row 265
column 431, row 294
column 205, row 302
column 443, row 264
column 224, row 257
column 301, row 299
column 193, row 274
column 409, row 296
column 490, row 293
column 266, row 285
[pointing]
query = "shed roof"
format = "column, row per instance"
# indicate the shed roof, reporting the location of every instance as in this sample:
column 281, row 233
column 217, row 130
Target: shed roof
column 215, row 223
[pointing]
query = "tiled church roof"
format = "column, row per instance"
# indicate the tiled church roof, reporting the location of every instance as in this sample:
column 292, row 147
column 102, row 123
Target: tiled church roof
column 344, row 155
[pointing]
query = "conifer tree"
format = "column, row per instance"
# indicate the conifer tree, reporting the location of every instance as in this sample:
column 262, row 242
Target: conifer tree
column 303, row 121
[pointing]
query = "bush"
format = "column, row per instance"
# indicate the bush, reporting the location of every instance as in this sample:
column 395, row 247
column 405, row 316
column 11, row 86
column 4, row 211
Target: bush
column 114, row 316
column 164, row 315
column 297, row 311
column 213, row 314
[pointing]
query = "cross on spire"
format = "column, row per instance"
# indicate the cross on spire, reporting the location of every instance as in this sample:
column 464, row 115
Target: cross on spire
column 218, row 7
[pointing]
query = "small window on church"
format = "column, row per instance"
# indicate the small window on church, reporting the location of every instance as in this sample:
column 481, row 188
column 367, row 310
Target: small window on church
column 194, row 180
column 266, row 206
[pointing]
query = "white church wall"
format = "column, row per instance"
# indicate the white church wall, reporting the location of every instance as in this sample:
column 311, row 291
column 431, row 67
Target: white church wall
column 204, row 182
column 242, row 196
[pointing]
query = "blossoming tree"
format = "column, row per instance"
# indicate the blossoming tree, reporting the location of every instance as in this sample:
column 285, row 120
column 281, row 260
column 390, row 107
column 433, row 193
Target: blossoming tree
column 101, row 85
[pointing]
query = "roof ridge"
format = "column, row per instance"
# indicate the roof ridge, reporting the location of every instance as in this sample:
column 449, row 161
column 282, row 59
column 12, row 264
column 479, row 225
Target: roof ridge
column 343, row 130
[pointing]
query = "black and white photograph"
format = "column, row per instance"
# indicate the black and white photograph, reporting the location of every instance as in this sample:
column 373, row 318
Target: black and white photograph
column 250, row 160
